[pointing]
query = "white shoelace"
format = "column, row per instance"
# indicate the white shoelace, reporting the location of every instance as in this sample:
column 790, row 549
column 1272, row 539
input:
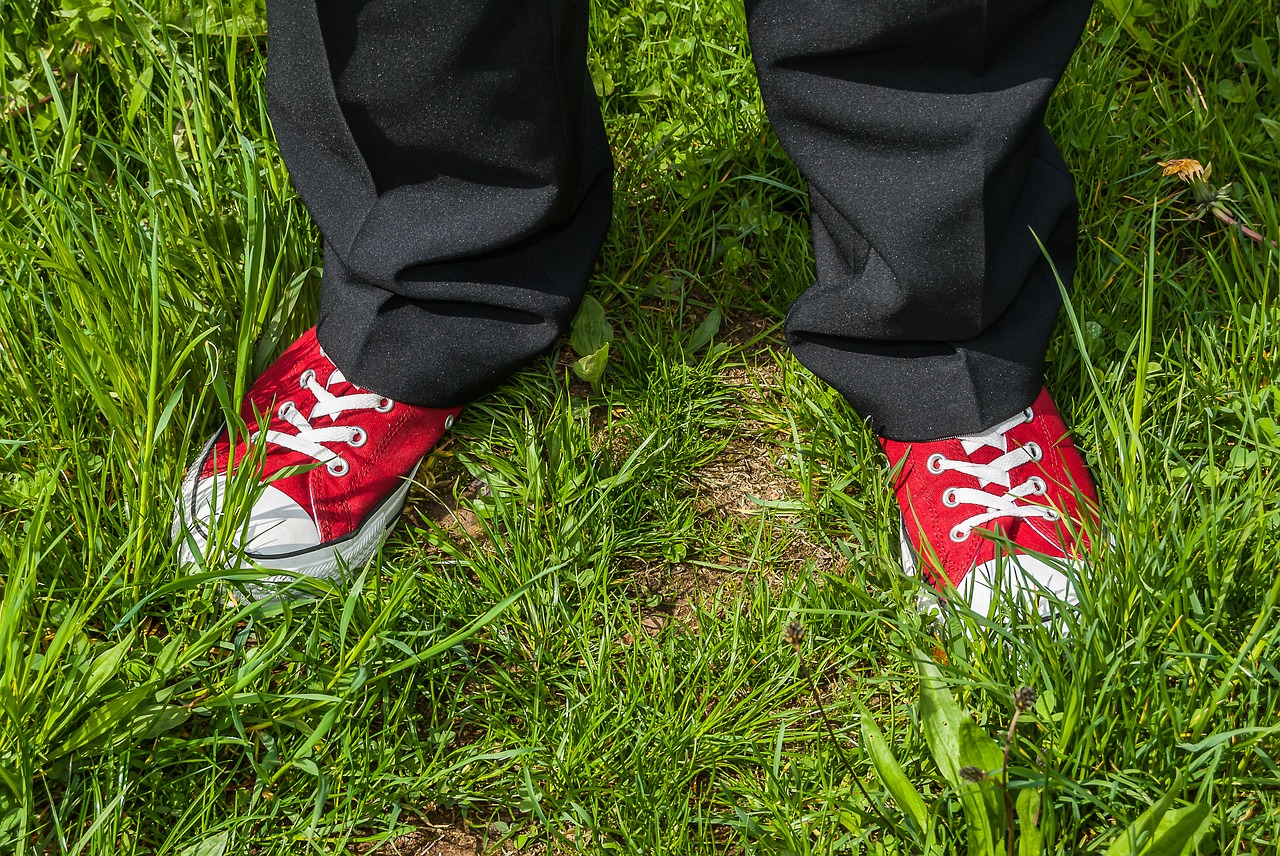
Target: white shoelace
column 310, row 440
column 999, row 471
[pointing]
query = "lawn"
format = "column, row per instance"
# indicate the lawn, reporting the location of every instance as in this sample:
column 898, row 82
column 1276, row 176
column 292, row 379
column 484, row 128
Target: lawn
column 577, row 639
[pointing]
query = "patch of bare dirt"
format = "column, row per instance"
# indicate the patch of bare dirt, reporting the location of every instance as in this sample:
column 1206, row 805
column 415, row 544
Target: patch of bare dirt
column 674, row 593
column 757, row 334
column 447, row 512
column 439, row 487
column 746, row 469
column 439, row 833
column 431, row 843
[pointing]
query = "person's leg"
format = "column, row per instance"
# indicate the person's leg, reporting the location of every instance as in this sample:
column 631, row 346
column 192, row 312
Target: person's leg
column 453, row 155
column 454, row 158
column 919, row 126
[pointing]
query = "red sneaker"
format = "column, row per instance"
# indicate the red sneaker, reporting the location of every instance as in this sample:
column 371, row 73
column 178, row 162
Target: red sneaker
column 356, row 450
column 1022, row 480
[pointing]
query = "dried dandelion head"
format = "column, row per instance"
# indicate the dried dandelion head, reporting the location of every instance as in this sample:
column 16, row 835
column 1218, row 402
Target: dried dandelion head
column 1187, row 169
column 1024, row 698
column 1195, row 174
column 1207, row 199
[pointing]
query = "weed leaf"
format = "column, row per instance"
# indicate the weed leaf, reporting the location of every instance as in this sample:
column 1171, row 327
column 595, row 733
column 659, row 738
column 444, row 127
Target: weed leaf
column 956, row 742
column 1134, row 839
column 1030, row 835
column 892, row 774
column 111, row 716
column 152, row 721
column 591, row 367
column 214, row 845
column 1180, row 830
column 590, row 330
column 954, row 738
column 706, row 331
column 104, row 668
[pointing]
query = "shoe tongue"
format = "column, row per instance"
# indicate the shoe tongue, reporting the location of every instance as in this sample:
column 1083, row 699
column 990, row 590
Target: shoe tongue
column 336, row 384
column 978, row 453
column 997, row 442
column 335, row 379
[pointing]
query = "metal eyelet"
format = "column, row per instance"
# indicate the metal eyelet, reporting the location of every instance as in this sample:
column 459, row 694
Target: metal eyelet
column 1028, row 415
column 949, row 498
column 1038, row 487
column 935, row 463
column 448, row 422
column 338, row 467
column 1034, row 450
column 285, row 409
column 959, row 533
column 1052, row 515
column 384, row 405
column 307, row 376
column 359, row 437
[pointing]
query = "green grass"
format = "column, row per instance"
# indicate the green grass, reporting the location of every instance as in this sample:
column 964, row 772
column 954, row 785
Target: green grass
column 650, row 539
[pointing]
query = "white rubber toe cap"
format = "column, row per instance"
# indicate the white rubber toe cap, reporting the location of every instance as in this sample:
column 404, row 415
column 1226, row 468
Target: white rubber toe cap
column 276, row 525
column 1035, row 584
column 277, row 536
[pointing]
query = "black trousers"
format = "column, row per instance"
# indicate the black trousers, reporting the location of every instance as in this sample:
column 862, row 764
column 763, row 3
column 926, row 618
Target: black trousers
column 453, row 154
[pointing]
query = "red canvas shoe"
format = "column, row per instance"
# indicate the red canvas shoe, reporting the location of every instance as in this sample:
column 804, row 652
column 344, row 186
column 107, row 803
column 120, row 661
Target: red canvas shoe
column 1023, row 481
column 335, row 467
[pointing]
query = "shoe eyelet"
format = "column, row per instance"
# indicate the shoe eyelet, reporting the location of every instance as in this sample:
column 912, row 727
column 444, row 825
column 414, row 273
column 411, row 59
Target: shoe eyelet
column 935, row 463
column 959, row 533
column 1038, row 486
column 307, row 377
column 949, row 498
column 1028, row 415
column 285, row 409
column 385, row 405
column 1052, row 515
column 359, row 437
column 338, row 467
column 448, row 422
column 1034, row 450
